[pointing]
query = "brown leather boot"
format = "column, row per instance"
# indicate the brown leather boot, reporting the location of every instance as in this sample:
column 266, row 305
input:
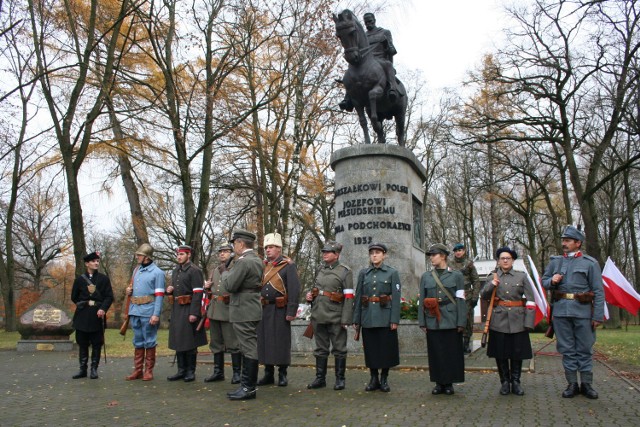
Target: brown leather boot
column 149, row 363
column 138, row 361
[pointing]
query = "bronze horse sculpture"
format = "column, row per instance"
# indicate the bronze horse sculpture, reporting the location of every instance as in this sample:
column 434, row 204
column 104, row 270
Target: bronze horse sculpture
column 365, row 81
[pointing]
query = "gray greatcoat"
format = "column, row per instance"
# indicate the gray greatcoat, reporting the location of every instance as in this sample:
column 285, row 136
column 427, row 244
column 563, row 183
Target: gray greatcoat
column 453, row 313
column 187, row 279
column 513, row 286
column 274, row 331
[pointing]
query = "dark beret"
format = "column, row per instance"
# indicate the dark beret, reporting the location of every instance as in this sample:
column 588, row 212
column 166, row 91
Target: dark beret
column 92, row 256
column 507, row 249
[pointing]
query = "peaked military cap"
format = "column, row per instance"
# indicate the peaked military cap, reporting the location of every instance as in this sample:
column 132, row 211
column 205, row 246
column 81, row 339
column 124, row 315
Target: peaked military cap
column 571, row 232
column 331, row 246
column 380, row 246
column 438, row 248
column 242, row 234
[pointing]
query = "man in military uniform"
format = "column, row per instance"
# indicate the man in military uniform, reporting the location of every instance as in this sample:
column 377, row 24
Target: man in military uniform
column 221, row 330
column 279, row 297
column 331, row 313
column 92, row 295
column 147, row 292
column 243, row 282
column 575, row 281
column 186, row 295
column 464, row 265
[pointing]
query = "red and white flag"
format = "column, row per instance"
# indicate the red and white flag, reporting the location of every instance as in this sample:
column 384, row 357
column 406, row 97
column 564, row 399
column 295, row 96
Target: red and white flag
column 617, row 290
column 539, row 295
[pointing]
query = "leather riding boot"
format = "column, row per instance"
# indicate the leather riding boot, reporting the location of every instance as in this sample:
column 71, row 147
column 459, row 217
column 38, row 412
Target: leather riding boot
column 384, row 383
column 83, row 357
column 516, row 371
column 191, row 358
column 247, row 389
column 282, row 376
column 138, row 362
column 95, row 361
column 149, row 363
column 180, row 360
column 573, row 388
column 374, row 382
column 505, row 377
column 268, row 375
column 321, row 373
column 218, row 369
column 341, row 366
column 236, row 366
column 466, row 344
column 586, row 379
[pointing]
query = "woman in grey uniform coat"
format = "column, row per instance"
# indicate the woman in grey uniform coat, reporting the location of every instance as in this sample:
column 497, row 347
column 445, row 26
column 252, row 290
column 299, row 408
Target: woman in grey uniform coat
column 511, row 320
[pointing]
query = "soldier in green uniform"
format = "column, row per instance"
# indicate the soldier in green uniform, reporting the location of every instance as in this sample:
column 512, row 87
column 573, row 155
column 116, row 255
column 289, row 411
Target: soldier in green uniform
column 243, row 281
column 331, row 313
column 464, row 265
column 377, row 312
column 221, row 330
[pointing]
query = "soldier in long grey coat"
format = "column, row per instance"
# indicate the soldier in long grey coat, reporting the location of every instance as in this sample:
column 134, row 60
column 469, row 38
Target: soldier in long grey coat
column 331, row 313
column 222, row 336
column 279, row 297
column 575, row 280
column 186, row 289
column 243, row 282
column 443, row 316
column 511, row 321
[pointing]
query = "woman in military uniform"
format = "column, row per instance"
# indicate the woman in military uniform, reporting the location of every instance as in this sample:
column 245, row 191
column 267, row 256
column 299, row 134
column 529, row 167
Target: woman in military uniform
column 377, row 312
column 443, row 317
column 511, row 320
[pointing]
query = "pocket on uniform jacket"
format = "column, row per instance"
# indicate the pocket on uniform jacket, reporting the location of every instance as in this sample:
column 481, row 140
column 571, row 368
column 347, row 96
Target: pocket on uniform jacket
column 581, row 276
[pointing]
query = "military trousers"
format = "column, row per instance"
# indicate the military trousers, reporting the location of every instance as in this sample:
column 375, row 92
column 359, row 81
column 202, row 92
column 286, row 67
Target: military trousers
column 575, row 339
column 223, row 337
column 247, row 335
column 145, row 335
column 330, row 335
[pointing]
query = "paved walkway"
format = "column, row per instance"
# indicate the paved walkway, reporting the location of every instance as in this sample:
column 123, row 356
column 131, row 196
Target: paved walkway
column 36, row 389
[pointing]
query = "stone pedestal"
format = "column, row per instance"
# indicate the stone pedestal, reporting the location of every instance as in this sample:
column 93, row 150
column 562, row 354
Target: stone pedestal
column 378, row 198
column 45, row 326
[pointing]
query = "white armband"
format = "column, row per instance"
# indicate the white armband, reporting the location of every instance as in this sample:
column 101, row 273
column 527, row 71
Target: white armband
column 460, row 293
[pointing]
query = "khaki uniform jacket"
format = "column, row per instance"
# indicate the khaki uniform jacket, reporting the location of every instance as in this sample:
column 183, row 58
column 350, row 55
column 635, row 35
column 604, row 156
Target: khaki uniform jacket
column 333, row 278
column 452, row 314
column 373, row 282
column 472, row 285
column 218, row 310
column 243, row 282
column 513, row 286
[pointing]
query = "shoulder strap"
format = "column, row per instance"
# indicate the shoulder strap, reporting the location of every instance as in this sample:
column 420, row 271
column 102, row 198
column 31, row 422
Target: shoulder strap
column 441, row 286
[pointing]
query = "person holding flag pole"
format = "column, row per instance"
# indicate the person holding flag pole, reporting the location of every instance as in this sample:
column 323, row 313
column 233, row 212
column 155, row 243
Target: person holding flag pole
column 575, row 281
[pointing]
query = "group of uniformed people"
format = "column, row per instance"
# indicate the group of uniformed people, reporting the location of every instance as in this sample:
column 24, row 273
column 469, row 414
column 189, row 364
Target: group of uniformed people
column 252, row 302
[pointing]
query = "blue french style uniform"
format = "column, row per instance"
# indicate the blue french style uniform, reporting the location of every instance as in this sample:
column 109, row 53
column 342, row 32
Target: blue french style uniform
column 148, row 280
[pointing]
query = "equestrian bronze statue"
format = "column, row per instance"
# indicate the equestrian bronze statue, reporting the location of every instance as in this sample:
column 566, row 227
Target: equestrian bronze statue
column 370, row 81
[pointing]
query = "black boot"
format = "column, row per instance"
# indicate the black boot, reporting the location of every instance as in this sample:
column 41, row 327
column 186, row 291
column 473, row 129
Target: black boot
column 438, row 389
column 191, row 358
column 218, row 369
column 466, row 344
column 448, row 389
column 516, row 370
column 321, row 373
column 236, row 364
column 83, row 357
column 341, row 366
column 180, row 360
column 374, row 382
column 572, row 389
column 384, row 384
column 505, row 377
column 247, row 389
column 586, row 379
column 268, row 375
column 282, row 376
column 95, row 361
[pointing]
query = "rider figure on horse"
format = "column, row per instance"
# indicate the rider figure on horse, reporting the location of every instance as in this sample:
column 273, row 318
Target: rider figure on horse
column 383, row 50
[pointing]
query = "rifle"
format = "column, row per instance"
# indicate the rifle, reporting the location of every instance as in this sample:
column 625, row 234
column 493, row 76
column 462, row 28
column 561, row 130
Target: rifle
column 549, row 332
column 356, row 337
column 125, row 323
column 308, row 332
column 483, row 341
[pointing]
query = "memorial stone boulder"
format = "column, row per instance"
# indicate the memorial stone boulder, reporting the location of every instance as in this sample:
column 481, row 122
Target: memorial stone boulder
column 45, row 326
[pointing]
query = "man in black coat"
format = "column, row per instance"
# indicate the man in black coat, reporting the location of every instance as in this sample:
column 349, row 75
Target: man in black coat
column 92, row 295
